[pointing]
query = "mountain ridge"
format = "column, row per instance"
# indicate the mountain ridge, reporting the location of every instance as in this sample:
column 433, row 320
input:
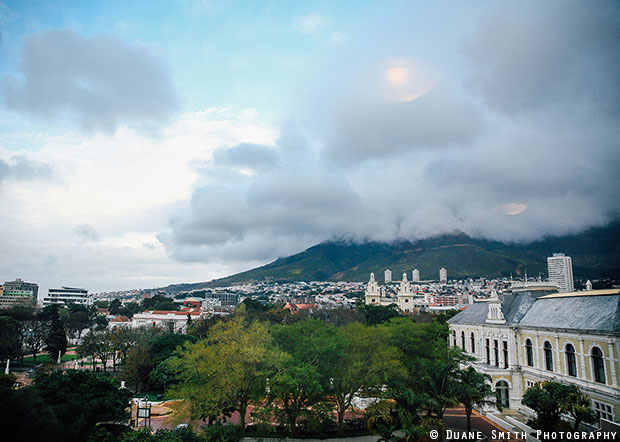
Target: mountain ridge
column 594, row 254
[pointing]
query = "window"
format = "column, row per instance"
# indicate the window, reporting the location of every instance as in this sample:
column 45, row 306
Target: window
column 529, row 353
column 488, row 351
column 496, row 352
column 530, row 384
column 571, row 361
column 548, row 356
column 473, row 343
column 463, row 340
column 598, row 365
column 603, row 411
column 501, row 391
column 454, row 337
column 505, row 349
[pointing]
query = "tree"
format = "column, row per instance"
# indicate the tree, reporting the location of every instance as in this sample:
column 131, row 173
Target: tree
column 377, row 314
column 34, row 337
column 578, row 406
column 98, row 345
column 227, row 371
column 472, row 389
column 79, row 399
column 10, row 338
column 366, row 363
column 138, row 366
column 115, row 306
column 311, row 351
column 56, row 341
column 550, row 399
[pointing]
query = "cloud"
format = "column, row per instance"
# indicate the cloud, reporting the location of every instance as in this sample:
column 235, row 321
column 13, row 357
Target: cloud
column 20, row 168
column 100, row 82
column 526, row 58
column 310, row 23
column 86, row 232
column 520, row 141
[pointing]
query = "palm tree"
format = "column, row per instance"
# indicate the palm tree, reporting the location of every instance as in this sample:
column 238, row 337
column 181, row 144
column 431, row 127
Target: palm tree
column 472, row 389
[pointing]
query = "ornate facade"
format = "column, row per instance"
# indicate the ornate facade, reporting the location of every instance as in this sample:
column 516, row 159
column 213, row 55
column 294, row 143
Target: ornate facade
column 534, row 334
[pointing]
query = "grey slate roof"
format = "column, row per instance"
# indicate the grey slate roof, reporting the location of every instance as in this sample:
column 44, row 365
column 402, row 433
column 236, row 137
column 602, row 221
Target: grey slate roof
column 594, row 313
column 527, row 309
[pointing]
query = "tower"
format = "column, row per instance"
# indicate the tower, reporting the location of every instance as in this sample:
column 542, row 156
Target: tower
column 415, row 275
column 405, row 295
column 388, row 275
column 373, row 294
column 443, row 275
column 560, row 268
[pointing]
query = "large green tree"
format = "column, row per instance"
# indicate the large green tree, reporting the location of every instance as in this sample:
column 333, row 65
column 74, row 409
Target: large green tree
column 225, row 372
column 56, row 341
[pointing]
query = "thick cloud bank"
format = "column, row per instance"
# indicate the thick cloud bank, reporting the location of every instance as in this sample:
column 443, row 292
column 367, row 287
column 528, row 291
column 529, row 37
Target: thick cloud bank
column 100, row 81
column 511, row 133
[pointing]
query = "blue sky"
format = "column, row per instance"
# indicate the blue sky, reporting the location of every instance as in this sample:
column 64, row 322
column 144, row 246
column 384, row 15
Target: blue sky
column 146, row 143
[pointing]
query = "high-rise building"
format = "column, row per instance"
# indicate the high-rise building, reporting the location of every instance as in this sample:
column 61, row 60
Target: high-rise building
column 18, row 292
column 388, row 275
column 415, row 275
column 68, row 295
column 443, row 275
column 560, row 268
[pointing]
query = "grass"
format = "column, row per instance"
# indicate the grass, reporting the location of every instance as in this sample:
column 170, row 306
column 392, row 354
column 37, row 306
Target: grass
column 46, row 359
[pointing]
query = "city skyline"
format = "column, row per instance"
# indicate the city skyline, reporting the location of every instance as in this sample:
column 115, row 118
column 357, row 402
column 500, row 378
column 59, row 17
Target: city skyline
column 143, row 145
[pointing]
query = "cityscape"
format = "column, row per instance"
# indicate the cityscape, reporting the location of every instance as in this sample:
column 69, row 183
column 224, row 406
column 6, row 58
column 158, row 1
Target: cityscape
column 353, row 221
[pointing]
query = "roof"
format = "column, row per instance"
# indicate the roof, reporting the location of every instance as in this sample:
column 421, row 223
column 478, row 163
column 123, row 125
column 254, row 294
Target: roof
column 120, row 319
column 584, row 293
column 595, row 310
column 592, row 313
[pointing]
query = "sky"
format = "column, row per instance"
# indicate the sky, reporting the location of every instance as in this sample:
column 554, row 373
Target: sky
column 147, row 143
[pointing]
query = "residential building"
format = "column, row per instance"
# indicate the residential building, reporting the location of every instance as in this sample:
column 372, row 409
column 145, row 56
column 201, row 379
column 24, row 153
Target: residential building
column 415, row 275
column 443, row 275
column 387, row 275
column 68, row 295
column 560, row 268
column 534, row 334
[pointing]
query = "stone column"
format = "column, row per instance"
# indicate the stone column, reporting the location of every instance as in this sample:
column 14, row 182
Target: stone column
column 582, row 359
column 537, row 353
column 558, row 356
column 612, row 364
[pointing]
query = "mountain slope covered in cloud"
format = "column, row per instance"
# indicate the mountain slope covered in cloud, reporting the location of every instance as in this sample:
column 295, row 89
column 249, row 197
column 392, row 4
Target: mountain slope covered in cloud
column 594, row 255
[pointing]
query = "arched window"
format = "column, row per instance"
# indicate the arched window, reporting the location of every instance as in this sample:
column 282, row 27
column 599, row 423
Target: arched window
column 463, row 340
column 598, row 365
column 488, row 351
column 501, row 391
column 571, row 361
column 529, row 353
column 548, row 356
column 473, row 343
column 454, row 337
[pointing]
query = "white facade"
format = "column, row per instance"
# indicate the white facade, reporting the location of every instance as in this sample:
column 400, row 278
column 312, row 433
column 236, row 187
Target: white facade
column 388, row 275
column 68, row 295
column 560, row 268
column 415, row 275
column 171, row 320
column 443, row 275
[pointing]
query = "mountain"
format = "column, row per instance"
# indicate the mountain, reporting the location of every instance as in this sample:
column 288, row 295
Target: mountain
column 595, row 254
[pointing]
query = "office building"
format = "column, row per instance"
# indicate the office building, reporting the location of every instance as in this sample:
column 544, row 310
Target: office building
column 560, row 268
column 68, row 295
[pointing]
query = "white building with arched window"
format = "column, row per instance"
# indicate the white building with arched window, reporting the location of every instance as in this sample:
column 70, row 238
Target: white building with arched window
column 535, row 334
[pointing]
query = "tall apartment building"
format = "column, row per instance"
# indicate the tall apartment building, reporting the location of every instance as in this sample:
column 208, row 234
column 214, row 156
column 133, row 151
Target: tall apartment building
column 68, row 295
column 388, row 275
column 415, row 275
column 18, row 292
column 443, row 275
column 560, row 268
